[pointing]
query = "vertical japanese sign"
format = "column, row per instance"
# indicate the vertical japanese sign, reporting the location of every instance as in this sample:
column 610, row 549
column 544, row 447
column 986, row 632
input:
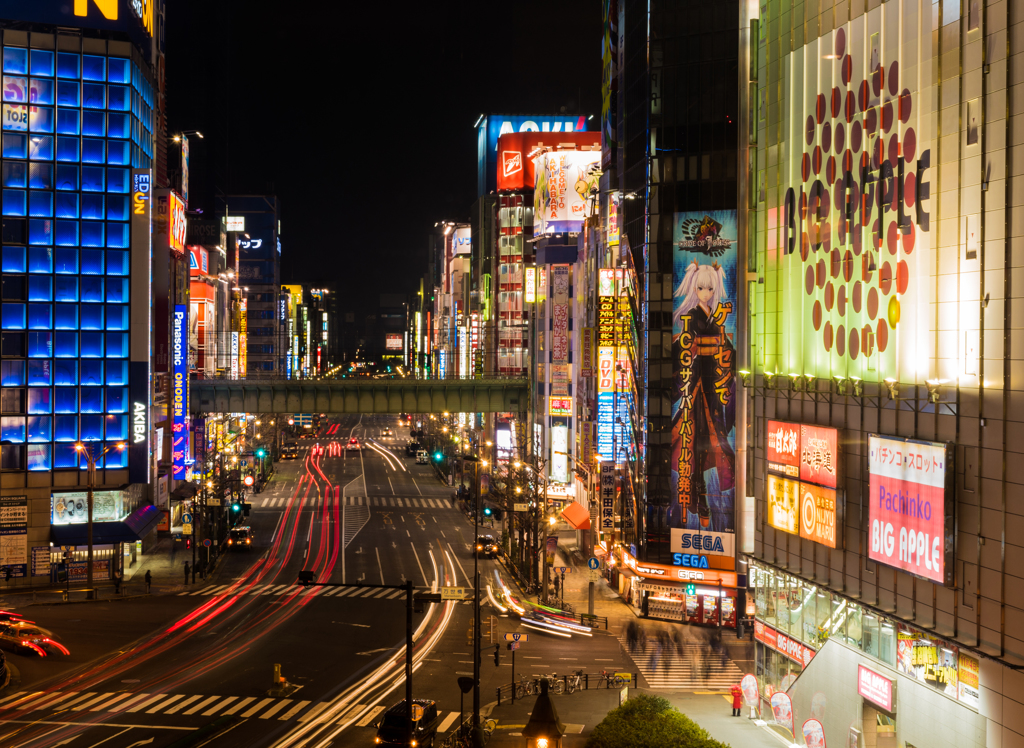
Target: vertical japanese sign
column 184, row 169
column 910, row 508
column 530, row 284
column 607, row 491
column 587, row 353
column 234, row 355
column 243, row 338
column 559, row 314
column 14, row 534
column 141, row 324
column 179, row 391
column 703, row 330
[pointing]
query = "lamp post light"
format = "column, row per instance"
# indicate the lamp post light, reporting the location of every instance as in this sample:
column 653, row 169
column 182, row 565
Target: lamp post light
column 91, row 482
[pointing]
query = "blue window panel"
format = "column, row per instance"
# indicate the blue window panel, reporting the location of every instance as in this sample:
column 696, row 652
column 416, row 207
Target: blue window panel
column 93, row 151
column 67, row 177
column 93, row 179
column 15, row 145
column 40, row 344
column 117, row 180
column 40, row 119
column 40, row 429
column 91, row 400
column 92, row 344
column 115, row 458
column 117, row 428
column 118, row 126
column 117, row 236
column 65, row 455
column 40, row 372
column 92, row 259
column 40, row 148
column 117, row 345
column 118, row 70
column 68, row 65
column 117, row 261
column 117, row 399
column 40, row 317
column 67, row 205
column 65, row 235
column 65, row 372
column 15, row 60
column 92, row 289
column 92, row 317
column 117, row 318
column 40, row 259
column 13, row 260
column 69, row 93
column 119, row 152
column 92, row 206
column 67, row 149
column 92, row 372
column 39, row 400
column 92, row 428
column 40, row 288
column 65, row 345
column 67, row 124
column 40, row 204
column 12, row 374
column 41, row 62
column 14, row 202
column 13, row 316
column 94, row 68
column 66, row 317
column 40, row 91
column 65, row 400
column 117, row 289
column 92, row 235
column 120, row 98
column 40, row 231
column 12, row 429
column 15, row 89
column 15, row 174
column 65, row 258
column 40, row 176
column 117, row 208
column 117, row 373
column 38, row 458
column 94, row 96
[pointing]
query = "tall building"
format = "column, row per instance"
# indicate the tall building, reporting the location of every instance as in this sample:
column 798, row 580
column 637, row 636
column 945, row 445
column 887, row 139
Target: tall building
column 77, row 201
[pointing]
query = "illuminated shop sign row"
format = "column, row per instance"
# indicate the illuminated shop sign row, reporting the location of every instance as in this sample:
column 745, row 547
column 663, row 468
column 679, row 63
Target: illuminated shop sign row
column 783, row 644
column 806, row 507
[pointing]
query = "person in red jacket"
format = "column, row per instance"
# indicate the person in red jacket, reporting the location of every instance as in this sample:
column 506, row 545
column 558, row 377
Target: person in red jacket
column 737, row 700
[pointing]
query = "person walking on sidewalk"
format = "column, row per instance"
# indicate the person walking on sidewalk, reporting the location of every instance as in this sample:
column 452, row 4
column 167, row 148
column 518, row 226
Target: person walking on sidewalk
column 117, row 581
column 149, row 580
column 737, row 700
column 187, row 570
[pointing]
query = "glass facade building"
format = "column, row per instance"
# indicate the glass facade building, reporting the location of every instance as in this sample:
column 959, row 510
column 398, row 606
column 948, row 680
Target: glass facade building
column 78, row 116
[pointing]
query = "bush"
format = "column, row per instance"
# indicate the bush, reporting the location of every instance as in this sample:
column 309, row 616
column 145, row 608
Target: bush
column 650, row 722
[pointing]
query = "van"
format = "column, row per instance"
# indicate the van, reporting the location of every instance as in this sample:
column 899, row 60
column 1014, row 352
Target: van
column 392, row 725
column 240, row 538
column 421, row 457
column 289, row 451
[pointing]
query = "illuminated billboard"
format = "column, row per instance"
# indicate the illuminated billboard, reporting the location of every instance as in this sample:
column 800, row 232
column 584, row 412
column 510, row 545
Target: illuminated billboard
column 179, row 391
column 703, row 334
column 176, row 223
column 393, row 342
column 530, row 285
column 515, row 167
column 490, row 127
column 802, row 462
column 565, row 183
column 911, row 506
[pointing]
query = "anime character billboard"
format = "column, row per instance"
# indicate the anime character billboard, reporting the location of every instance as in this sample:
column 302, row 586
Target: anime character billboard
column 704, row 368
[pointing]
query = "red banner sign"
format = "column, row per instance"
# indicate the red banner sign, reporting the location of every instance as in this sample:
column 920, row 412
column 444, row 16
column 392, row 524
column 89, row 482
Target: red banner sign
column 874, row 687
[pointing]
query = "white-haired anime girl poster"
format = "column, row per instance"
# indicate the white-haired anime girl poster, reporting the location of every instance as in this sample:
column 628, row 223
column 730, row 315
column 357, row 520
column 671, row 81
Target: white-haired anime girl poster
column 704, row 365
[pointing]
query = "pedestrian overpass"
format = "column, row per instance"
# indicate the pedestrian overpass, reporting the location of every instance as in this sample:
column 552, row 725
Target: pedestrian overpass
column 360, row 395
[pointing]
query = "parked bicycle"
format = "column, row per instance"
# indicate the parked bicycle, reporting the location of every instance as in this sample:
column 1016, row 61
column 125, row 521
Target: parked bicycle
column 574, row 681
column 610, row 680
column 525, row 687
column 555, row 684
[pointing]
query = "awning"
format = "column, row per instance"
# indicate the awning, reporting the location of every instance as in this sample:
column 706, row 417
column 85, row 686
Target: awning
column 134, row 527
column 577, row 516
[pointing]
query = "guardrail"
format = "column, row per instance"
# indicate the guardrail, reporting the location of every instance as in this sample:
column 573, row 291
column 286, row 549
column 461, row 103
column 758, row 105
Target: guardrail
column 564, row 684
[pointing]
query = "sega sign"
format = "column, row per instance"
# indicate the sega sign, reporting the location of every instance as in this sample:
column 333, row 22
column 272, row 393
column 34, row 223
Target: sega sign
column 492, row 126
column 690, row 559
column 707, row 543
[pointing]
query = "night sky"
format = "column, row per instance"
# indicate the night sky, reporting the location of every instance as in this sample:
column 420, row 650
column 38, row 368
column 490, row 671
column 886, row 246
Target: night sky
column 362, row 121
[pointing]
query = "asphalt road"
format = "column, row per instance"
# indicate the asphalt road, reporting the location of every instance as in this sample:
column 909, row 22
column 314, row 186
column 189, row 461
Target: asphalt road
column 152, row 671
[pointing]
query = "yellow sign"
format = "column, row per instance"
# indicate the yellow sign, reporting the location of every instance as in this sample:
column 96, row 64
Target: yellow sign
column 783, row 508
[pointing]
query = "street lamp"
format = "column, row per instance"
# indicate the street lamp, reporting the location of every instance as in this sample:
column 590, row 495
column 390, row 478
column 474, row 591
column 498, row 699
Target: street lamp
column 91, row 481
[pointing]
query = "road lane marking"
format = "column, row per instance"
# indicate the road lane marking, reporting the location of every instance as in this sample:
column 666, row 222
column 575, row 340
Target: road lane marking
column 425, row 580
column 47, row 700
column 239, row 705
column 201, row 704
column 295, row 710
column 93, row 702
column 255, row 708
column 417, row 485
column 182, row 704
column 368, row 717
column 124, row 704
column 170, row 700
column 379, row 566
column 87, row 697
column 275, row 709
column 447, row 722
column 315, row 710
column 221, row 705
column 147, row 702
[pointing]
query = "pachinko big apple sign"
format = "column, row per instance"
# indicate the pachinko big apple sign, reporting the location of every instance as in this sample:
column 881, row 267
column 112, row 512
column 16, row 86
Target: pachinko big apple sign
column 911, row 506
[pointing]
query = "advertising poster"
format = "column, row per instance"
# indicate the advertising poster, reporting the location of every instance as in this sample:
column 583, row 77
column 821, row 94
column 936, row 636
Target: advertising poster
column 493, row 126
column 14, row 534
column 703, row 334
column 874, row 687
column 179, row 391
column 41, row 561
column 559, row 314
column 561, row 197
column 750, row 692
column 814, row 734
column 911, row 526
column 393, row 342
column 782, row 710
column 968, row 690
column 782, row 498
column 807, row 507
column 818, row 514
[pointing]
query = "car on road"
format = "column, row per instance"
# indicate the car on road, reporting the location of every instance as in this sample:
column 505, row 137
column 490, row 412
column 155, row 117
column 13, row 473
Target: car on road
column 353, row 444
column 392, row 725
column 23, row 637
column 422, row 458
column 388, row 432
column 412, row 448
column 486, row 546
column 240, row 538
column 289, row 451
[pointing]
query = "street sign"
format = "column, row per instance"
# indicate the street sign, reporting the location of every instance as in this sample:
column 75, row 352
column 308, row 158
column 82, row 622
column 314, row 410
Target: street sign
column 417, row 712
column 68, row 547
column 563, row 569
column 213, row 501
column 186, row 519
column 594, row 575
column 593, row 563
column 454, row 593
column 520, row 507
column 207, row 542
column 513, row 646
column 186, row 529
column 516, row 637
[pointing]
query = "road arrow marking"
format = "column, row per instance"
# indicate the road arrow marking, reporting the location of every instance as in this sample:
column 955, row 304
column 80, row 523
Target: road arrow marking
column 141, row 742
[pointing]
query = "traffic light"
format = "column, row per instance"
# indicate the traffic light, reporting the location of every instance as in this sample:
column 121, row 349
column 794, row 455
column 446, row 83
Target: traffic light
column 497, row 657
column 236, row 508
column 261, row 453
column 188, row 543
column 438, row 456
column 487, row 511
column 246, row 507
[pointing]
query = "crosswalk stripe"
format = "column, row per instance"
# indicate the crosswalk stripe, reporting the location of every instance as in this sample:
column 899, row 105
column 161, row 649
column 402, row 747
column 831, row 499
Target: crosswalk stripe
column 395, row 594
column 314, row 710
column 82, row 698
column 295, row 710
column 14, row 696
column 139, row 707
column 109, row 704
column 85, row 706
column 239, row 705
column 270, row 588
column 447, row 722
column 432, row 504
column 381, row 594
column 399, row 502
column 124, row 704
column 170, row 700
column 48, row 700
column 255, row 708
column 219, row 588
column 368, row 717
column 182, row 704
column 201, row 704
column 275, row 708
column 343, row 591
column 283, row 589
column 220, row 705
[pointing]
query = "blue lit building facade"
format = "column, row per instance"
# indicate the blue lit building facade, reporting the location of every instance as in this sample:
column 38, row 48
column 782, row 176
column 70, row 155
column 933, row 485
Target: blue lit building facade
column 77, row 148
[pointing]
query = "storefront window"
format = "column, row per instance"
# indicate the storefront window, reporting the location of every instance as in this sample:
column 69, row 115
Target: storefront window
column 887, row 642
column 773, row 599
column 853, row 626
column 808, row 630
column 870, row 641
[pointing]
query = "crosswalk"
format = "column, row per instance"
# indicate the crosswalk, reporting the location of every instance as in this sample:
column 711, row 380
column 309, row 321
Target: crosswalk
column 273, row 502
column 670, row 670
column 42, row 704
column 272, row 590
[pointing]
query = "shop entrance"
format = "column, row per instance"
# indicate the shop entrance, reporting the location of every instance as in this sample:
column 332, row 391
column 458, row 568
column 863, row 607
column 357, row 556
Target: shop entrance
column 879, row 728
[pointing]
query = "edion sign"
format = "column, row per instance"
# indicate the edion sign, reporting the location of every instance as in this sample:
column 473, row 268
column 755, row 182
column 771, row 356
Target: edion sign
column 909, row 515
column 177, row 225
column 874, row 687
